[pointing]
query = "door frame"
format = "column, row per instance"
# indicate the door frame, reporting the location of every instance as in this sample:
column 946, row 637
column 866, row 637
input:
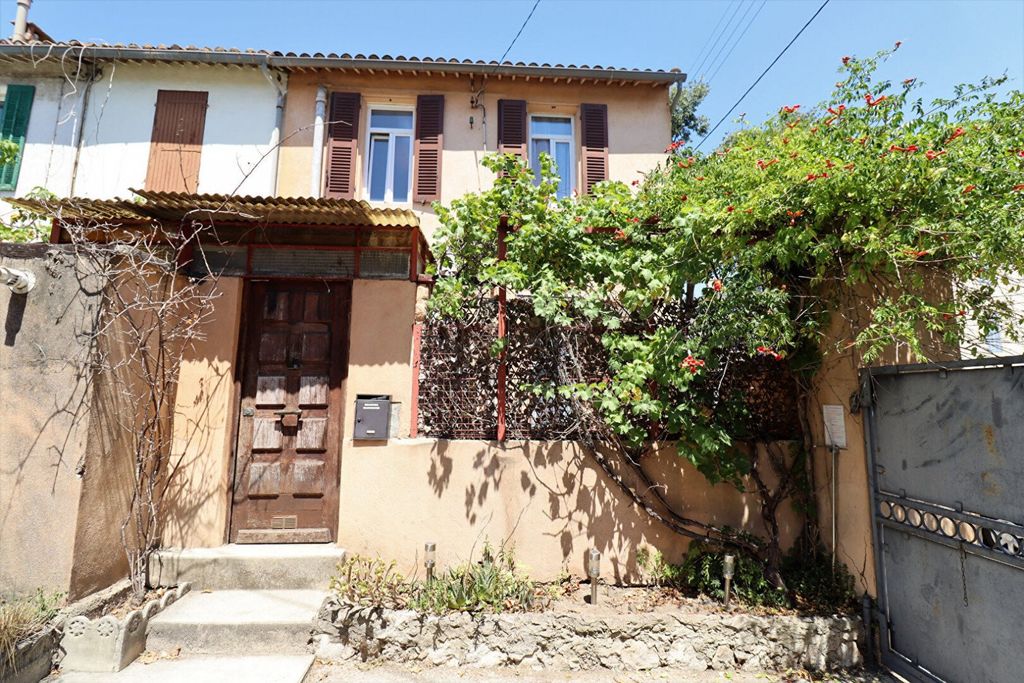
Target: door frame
column 244, row 337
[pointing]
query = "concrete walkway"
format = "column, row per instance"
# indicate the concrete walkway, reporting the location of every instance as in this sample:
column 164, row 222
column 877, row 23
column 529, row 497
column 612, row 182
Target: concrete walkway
column 350, row 672
column 203, row 669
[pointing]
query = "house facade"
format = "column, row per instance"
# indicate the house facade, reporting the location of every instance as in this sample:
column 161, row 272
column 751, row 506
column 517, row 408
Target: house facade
column 310, row 180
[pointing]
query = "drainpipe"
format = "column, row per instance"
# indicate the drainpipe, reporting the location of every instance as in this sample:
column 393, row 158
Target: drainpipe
column 21, row 21
column 79, row 142
column 275, row 139
column 315, row 180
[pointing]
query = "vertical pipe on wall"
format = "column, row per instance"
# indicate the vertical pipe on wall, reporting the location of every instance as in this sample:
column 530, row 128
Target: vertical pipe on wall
column 316, row 171
column 275, row 139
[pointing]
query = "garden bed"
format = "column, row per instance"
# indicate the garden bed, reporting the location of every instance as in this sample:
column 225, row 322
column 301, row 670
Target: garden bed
column 628, row 629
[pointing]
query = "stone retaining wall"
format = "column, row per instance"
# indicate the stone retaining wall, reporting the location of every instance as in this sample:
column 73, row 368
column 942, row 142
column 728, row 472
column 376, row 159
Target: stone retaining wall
column 572, row 641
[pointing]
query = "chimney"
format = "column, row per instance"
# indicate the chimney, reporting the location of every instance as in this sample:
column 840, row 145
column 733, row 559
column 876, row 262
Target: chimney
column 21, row 21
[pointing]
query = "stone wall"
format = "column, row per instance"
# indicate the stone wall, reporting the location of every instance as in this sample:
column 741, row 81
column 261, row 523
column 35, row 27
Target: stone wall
column 635, row 642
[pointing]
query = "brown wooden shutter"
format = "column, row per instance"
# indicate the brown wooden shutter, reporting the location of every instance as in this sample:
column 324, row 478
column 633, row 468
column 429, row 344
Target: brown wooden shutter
column 594, row 141
column 342, row 141
column 177, row 141
column 428, row 147
column 512, row 128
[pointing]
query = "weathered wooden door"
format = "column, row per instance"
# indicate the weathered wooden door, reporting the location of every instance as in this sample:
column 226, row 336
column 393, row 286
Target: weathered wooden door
column 289, row 428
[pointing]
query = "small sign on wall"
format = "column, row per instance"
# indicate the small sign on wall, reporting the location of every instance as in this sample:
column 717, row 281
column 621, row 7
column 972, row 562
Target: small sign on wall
column 835, row 425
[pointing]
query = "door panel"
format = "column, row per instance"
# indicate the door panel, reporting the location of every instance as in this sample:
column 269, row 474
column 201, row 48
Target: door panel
column 286, row 471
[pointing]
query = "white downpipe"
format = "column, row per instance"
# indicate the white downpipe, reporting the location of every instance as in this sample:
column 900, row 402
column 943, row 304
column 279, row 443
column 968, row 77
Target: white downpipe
column 275, row 139
column 316, row 172
column 20, row 281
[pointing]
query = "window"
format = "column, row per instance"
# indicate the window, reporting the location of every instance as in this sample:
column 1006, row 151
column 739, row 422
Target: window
column 553, row 135
column 15, row 107
column 389, row 155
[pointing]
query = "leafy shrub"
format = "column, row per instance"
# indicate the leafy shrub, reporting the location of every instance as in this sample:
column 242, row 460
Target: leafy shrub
column 20, row 618
column 702, row 571
column 811, row 581
column 370, row 582
column 816, row 585
column 657, row 571
column 494, row 584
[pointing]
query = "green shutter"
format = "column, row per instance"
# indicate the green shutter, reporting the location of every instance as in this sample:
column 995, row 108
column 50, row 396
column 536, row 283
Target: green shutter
column 17, row 107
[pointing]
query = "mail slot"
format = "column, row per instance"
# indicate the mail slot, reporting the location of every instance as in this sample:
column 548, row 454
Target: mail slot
column 373, row 417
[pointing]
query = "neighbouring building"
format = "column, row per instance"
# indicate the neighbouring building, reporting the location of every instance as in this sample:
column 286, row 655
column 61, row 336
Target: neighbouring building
column 308, row 180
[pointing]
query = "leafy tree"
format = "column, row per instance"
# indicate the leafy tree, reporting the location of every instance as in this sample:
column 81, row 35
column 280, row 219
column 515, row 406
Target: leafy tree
column 684, row 100
column 870, row 221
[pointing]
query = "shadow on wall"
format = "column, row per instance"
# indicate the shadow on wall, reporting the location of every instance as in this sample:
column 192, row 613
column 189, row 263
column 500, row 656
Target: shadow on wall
column 553, row 502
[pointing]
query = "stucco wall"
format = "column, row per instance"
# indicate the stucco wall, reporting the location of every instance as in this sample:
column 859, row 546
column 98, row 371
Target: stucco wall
column 639, row 125
column 205, row 406
column 43, row 442
column 239, row 130
column 550, row 500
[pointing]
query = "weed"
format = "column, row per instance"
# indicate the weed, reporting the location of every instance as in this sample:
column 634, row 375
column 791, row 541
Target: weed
column 22, row 617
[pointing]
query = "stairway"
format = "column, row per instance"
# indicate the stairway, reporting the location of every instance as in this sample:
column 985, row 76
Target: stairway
column 248, row 617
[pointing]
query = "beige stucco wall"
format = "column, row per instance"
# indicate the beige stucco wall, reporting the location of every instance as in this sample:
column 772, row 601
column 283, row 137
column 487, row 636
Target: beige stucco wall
column 203, row 427
column 44, row 426
column 548, row 499
column 639, row 125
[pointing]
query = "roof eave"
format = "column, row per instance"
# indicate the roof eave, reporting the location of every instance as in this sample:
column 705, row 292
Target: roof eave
column 313, row 62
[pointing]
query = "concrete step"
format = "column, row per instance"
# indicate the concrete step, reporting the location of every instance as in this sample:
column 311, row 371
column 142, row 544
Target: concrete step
column 247, row 567
column 204, row 669
column 237, row 621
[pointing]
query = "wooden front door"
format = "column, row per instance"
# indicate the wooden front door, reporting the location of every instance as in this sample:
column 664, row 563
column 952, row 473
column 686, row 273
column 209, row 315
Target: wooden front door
column 290, row 413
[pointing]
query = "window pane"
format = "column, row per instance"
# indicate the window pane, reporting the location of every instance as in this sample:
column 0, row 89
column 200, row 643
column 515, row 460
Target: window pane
column 539, row 147
column 403, row 145
column 386, row 118
column 550, row 125
column 564, row 162
column 378, row 167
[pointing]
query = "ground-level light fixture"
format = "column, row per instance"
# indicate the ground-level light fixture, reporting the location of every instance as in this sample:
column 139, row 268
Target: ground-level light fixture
column 20, row 281
column 594, row 572
column 728, row 571
column 430, row 559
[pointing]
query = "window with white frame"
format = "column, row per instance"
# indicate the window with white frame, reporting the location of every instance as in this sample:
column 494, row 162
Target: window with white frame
column 389, row 155
column 553, row 135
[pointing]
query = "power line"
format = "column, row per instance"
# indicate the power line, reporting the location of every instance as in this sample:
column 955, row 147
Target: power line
column 712, row 34
column 763, row 73
column 725, row 44
column 527, row 21
column 738, row 41
column 725, row 28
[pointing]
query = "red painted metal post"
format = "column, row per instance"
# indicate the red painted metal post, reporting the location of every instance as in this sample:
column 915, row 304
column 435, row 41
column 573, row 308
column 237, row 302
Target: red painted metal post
column 414, row 410
column 502, row 331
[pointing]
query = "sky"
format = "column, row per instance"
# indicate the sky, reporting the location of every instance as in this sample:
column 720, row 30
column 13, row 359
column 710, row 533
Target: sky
column 725, row 42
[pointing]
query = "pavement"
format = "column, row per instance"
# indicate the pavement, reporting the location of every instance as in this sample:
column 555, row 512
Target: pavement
column 352, row 672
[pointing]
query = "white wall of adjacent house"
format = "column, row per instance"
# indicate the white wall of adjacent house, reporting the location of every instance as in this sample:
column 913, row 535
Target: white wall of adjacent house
column 112, row 141
column 238, row 139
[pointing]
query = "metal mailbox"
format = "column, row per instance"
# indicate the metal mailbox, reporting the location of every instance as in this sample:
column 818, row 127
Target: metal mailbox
column 373, row 417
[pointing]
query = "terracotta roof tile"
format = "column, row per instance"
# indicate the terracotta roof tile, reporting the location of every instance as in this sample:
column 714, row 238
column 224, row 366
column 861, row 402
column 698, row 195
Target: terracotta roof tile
column 291, row 60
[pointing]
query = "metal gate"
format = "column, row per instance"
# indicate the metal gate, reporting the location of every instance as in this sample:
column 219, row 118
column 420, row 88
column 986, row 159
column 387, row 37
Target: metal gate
column 946, row 457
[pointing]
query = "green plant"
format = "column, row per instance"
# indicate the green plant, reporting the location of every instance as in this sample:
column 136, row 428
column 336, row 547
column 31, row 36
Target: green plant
column 702, row 571
column 494, row 584
column 657, row 571
column 370, row 582
column 21, row 617
column 816, row 584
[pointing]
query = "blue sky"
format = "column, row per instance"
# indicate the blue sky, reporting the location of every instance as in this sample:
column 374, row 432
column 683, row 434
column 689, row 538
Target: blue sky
column 944, row 41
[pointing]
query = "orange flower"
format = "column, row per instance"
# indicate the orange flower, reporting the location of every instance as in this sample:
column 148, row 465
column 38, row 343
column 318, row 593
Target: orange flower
column 932, row 154
column 1018, row 187
column 956, row 133
column 717, row 285
column 969, row 188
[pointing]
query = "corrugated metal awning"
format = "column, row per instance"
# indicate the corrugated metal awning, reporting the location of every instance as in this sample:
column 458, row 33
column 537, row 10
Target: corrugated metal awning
column 174, row 207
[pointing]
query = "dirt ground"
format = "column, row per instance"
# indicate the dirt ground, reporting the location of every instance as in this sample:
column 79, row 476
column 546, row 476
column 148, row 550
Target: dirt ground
column 352, row 672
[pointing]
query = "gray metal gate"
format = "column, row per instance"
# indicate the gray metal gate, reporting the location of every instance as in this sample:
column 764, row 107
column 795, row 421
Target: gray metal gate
column 946, row 457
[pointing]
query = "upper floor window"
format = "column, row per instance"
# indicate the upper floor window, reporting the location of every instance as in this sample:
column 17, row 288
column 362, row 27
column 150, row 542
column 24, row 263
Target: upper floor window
column 389, row 155
column 553, row 135
column 15, row 107
column 176, row 146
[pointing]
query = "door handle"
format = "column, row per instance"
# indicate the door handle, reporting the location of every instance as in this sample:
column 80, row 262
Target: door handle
column 293, row 411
